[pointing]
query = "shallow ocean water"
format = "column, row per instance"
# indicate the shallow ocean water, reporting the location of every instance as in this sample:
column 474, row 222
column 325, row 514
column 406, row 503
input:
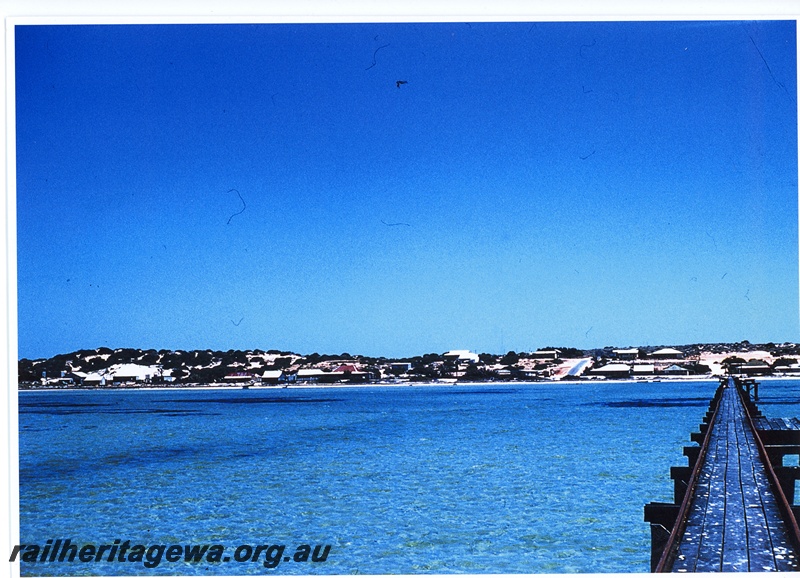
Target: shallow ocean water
column 511, row 478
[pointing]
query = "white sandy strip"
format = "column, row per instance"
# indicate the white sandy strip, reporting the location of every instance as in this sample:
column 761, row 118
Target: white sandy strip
column 641, row 381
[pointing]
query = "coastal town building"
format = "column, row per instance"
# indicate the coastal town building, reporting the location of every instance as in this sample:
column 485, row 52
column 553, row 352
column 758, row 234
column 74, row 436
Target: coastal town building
column 104, row 368
column 313, row 376
column 640, row 369
column 667, row 353
column 273, row 376
column 613, row 370
column 626, row 354
column 120, row 374
column 755, row 367
column 460, row 358
column 793, row 369
column 94, row 379
column 399, row 368
column 503, row 372
column 240, row 377
column 65, row 379
column 350, row 372
column 546, row 354
column 675, row 369
column 131, row 373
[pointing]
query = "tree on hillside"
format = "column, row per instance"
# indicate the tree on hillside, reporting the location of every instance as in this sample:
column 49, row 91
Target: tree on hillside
column 179, row 374
column 474, row 372
column 55, row 365
column 568, row 352
column 428, row 358
column 424, row 372
column 728, row 363
column 201, row 358
column 94, row 364
column 207, row 374
column 149, row 357
column 84, row 353
column 280, row 352
column 26, row 372
column 487, row 358
column 233, row 356
column 125, row 355
column 172, row 360
column 281, row 362
column 509, row 358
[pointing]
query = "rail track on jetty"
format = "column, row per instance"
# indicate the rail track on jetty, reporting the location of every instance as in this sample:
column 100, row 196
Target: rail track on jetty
column 733, row 508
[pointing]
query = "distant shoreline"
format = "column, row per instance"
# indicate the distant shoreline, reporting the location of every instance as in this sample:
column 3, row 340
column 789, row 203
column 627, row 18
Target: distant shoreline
column 550, row 383
column 123, row 369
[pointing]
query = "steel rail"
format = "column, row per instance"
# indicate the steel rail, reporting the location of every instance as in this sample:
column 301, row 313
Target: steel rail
column 783, row 504
column 670, row 549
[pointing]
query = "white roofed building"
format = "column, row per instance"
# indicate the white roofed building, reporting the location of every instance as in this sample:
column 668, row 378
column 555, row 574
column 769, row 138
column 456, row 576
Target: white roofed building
column 675, row 369
column 546, row 354
column 667, row 353
column 273, row 376
column 613, row 370
column 94, row 379
column 755, row 367
column 461, row 357
column 644, row 369
column 133, row 373
column 313, row 375
column 626, row 353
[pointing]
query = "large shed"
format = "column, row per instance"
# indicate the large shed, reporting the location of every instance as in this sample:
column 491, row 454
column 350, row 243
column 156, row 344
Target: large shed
column 613, row 370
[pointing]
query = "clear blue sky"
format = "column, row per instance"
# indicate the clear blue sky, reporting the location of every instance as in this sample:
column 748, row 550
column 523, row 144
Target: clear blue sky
column 270, row 186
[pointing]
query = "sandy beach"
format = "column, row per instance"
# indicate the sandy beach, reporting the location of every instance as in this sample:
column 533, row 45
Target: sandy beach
column 417, row 384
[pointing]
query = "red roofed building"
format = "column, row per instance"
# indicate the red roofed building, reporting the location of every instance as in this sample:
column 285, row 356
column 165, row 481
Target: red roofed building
column 350, row 372
column 346, row 367
column 240, row 377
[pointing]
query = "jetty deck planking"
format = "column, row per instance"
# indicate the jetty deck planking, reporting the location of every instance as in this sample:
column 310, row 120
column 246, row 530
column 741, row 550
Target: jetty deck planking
column 734, row 523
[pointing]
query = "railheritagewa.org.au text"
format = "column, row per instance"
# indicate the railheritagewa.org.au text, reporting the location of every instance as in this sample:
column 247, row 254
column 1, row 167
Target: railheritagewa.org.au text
column 150, row 556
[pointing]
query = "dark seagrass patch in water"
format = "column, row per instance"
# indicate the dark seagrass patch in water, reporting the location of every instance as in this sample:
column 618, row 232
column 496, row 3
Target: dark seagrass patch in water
column 252, row 400
column 662, row 402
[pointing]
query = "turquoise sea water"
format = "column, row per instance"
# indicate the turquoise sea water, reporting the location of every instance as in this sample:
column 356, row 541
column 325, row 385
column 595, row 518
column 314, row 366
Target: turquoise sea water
column 513, row 478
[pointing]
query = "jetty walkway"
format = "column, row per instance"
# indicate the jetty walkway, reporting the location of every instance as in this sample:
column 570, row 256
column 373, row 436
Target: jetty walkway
column 733, row 503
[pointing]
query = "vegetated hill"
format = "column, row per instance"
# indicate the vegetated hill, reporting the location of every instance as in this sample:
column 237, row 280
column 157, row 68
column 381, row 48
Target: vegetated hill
column 208, row 366
column 196, row 366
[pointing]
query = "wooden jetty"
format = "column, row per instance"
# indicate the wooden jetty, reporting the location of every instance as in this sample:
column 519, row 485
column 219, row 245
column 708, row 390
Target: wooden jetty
column 733, row 503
